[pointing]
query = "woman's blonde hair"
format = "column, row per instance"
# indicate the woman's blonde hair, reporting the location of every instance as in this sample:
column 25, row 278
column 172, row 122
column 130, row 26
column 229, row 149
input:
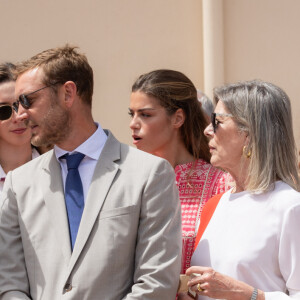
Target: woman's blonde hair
column 263, row 110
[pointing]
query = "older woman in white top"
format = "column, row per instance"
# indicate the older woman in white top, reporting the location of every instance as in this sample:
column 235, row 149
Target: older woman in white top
column 250, row 249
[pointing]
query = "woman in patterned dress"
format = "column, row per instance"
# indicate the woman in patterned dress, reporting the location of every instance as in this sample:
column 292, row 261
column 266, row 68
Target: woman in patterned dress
column 167, row 121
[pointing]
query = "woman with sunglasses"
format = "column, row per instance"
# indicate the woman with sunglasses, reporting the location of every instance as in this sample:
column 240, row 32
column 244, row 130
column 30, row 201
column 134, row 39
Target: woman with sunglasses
column 250, row 248
column 167, row 121
column 15, row 147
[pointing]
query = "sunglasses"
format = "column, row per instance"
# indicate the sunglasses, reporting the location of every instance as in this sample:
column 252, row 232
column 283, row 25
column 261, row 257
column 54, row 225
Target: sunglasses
column 215, row 122
column 24, row 101
column 6, row 112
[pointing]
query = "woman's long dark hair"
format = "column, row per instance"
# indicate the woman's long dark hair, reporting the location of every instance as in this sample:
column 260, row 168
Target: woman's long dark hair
column 174, row 90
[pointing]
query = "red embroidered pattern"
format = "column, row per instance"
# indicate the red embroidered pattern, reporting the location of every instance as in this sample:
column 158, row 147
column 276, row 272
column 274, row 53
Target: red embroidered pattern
column 197, row 182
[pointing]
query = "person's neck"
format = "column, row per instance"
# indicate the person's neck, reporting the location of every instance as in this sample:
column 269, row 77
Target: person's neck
column 177, row 154
column 44, row 148
column 238, row 187
column 80, row 131
column 239, row 176
column 12, row 157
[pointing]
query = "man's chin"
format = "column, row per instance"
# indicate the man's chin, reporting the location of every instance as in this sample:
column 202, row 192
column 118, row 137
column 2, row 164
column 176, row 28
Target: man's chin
column 38, row 142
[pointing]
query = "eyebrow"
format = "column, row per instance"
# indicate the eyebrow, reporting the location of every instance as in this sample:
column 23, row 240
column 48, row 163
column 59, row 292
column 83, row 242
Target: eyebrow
column 25, row 94
column 142, row 109
column 224, row 115
column 29, row 94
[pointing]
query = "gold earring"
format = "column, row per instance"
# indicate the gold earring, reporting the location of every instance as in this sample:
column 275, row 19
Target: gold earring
column 246, row 153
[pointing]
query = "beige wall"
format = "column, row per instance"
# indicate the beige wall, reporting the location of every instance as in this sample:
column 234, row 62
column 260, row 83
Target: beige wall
column 261, row 40
column 122, row 39
column 211, row 41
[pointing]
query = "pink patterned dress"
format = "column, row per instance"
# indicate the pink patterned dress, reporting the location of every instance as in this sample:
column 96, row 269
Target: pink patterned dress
column 197, row 182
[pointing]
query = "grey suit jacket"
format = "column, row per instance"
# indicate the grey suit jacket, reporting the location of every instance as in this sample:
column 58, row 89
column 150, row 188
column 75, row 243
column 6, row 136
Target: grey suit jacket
column 129, row 240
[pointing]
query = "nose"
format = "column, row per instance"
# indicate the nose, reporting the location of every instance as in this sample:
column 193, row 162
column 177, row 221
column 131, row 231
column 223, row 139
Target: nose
column 21, row 115
column 134, row 123
column 209, row 131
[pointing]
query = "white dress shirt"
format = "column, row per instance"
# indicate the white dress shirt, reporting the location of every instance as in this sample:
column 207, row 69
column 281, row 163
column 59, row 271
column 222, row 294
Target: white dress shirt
column 92, row 149
column 255, row 238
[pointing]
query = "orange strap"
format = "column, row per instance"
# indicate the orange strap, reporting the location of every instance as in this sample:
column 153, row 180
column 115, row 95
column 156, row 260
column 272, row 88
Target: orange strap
column 207, row 212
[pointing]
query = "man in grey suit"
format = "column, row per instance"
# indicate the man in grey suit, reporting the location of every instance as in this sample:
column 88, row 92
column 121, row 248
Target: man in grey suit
column 108, row 228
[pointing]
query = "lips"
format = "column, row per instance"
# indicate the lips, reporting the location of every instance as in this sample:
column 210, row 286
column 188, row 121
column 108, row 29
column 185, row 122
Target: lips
column 33, row 127
column 19, row 130
column 136, row 139
column 211, row 148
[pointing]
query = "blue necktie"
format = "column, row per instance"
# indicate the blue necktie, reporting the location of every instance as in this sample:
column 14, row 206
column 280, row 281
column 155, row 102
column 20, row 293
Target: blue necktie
column 74, row 194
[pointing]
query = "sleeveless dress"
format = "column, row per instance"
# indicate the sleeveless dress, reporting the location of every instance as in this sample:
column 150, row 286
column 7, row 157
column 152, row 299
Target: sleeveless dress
column 197, row 182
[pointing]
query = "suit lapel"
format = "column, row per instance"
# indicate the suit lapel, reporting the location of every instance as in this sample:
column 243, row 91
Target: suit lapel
column 55, row 202
column 103, row 177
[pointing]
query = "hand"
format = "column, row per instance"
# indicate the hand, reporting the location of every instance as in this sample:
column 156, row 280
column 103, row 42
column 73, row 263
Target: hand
column 219, row 286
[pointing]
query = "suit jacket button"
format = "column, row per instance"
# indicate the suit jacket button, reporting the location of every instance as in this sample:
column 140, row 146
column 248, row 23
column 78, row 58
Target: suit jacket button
column 67, row 287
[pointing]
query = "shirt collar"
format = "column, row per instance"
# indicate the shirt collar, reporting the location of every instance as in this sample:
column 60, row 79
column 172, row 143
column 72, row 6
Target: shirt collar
column 35, row 153
column 2, row 173
column 92, row 147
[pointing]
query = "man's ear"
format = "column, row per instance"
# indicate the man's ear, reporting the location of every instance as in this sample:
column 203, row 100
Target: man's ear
column 70, row 90
column 178, row 118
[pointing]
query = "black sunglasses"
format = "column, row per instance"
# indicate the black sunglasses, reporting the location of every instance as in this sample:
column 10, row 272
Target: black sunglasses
column 215, row 122
column 6, row 112
column 24, row 101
